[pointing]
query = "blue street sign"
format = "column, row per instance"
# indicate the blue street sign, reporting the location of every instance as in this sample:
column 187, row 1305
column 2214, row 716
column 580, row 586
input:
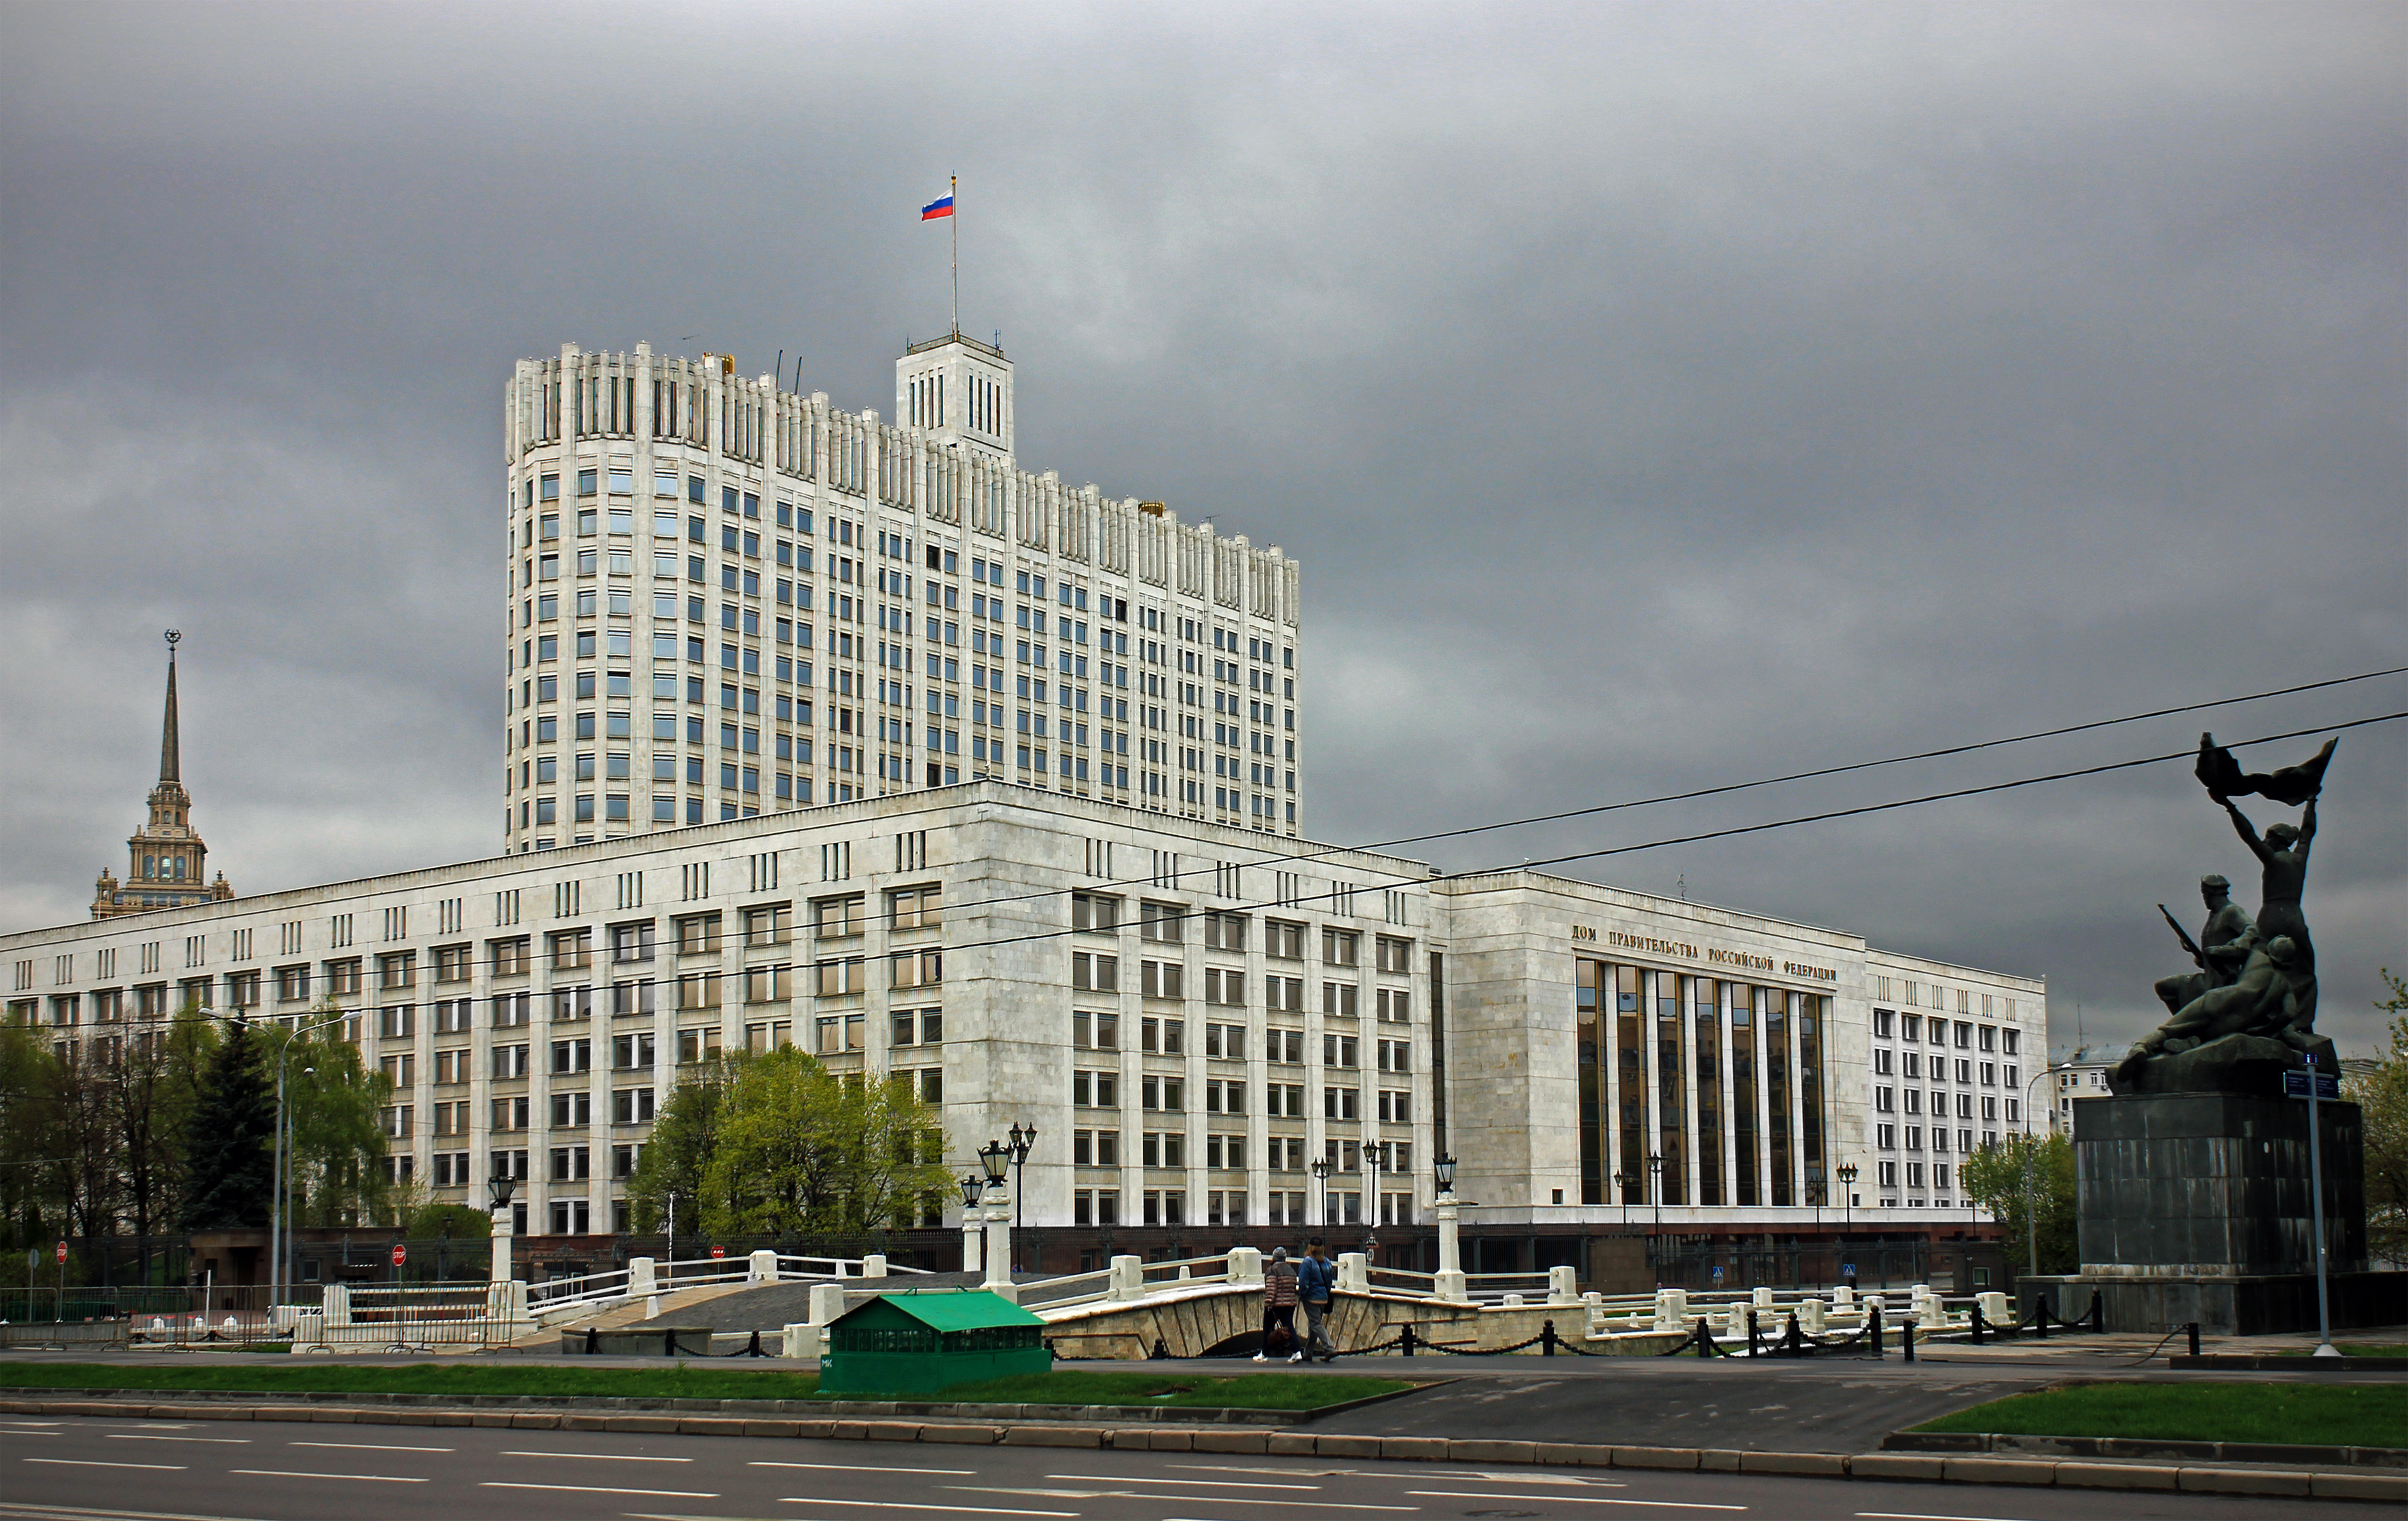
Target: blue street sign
column 2295, row 1085
column 1847, row 1270
column 1718, row 1272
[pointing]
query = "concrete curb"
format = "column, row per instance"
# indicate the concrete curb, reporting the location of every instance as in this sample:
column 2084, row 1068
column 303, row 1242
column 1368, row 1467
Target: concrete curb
column 1871, row 1467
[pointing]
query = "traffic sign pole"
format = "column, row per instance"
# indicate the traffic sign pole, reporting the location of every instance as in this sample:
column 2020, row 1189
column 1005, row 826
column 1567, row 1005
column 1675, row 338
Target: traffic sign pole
column 2316, row 1213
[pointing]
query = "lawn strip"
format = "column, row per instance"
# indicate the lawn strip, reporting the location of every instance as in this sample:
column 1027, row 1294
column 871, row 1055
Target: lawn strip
column 2336, row 1415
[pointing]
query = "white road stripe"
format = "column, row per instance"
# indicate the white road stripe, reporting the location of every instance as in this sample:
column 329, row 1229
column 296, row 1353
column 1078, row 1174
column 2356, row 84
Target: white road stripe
column 289, row 1473
column 6, row 1432
column 369, row 1447
column 89, row 1463
column 1209, row 1483
column 597, row 1489
column 612, row 1458
column 1575, row 1500
column 899, row 1505
column 865, row 1469
column 861, row 1467
column 1911, row 1516
column 145, row 1436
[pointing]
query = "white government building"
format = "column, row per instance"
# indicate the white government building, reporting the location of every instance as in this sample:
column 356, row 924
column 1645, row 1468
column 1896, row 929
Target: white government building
column 725, row 599
column 755, row 798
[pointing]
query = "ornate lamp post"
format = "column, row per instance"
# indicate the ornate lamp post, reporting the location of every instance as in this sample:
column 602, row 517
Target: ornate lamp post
column 1375, row 1157
column 1847, row 1175
column 974, row 1184
column 1321, row 1176
column 1627, row 1179
column 996, row 1158
column 1656, row 1195
column 502, row 1186
column 1021, row 1141
column 1450, row 1284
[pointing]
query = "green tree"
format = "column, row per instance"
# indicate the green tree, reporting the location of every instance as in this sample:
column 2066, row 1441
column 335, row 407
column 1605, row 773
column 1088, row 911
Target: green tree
column 801, row 1149
column 31, row 1172
column 229, row 1140
column 156, row 1079
column 2024, row 1180
column 338, row 1143
column 685, row 1134
column 2382, row 1096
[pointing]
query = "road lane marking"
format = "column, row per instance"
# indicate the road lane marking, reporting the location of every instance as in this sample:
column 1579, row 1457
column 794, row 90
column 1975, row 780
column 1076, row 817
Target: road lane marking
column 1576, row 1499
column 6, row 1432
column 899, row 1505
column 1911, row 1516
column 369, row 1447
column 612, row 1458
column 54, row 1513
column 1209, row 1483
column 598, row 1489
column 1211, row 1499
column 289, row 1473
column 91, row 1463
column 145, row 1436
column 862, row 1468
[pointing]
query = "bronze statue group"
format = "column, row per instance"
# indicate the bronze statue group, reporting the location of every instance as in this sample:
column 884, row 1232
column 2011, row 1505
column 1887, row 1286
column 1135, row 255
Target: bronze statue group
column 2255, row 980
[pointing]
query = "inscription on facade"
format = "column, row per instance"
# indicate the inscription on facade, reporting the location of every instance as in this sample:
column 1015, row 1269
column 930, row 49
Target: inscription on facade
column 1746, row 960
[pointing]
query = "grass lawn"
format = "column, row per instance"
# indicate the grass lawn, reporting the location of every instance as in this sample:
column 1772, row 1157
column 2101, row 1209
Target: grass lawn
column 2346, row 1414
column 2352, row 1349
column 684, row 1380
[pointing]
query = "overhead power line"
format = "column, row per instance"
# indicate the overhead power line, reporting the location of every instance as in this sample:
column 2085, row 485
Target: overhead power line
column 1702, row 791
column 1738, row 829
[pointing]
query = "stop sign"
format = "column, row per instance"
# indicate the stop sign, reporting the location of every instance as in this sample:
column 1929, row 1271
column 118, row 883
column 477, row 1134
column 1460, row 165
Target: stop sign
column 63, row 1251
column 400, row 1254
column 716, row 1251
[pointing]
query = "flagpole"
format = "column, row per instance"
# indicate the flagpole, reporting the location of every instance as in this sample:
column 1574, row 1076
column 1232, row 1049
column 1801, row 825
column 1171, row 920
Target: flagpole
column 953, row 225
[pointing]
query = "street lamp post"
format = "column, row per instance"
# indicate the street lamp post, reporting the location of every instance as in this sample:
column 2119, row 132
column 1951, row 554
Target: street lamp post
column 1625, row 1180
column 1022, row 1140
column 501, row 1186
column 1375, row 1157
column 1847, row 1175
column 1450, row 1284
column 1655, row 1196
column 1321, row 1176
column 974, row 1184
column 280, row 1222
column 2031, row 1204
column 995, row 1157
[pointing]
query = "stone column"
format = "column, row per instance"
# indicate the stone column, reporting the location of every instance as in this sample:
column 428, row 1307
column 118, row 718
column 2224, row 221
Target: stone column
column 502, row 1237
column 1450, row 1285
column 972, row 1231
column 998, row 1241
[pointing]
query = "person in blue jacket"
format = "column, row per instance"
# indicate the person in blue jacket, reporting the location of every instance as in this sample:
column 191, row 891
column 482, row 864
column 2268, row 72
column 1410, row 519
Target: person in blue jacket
column 1316, row 1278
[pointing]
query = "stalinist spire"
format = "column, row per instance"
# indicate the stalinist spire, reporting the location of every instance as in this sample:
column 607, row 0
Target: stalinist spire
column 166, row 866
column 171, row 765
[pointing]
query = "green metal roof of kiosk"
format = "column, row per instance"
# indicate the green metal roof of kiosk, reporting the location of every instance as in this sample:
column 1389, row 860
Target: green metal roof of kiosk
column 938, row 1310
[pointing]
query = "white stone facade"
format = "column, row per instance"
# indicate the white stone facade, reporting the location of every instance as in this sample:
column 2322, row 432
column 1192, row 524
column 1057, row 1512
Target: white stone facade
column 1267, row 1003
column 1951, row 1064
column 724, row 599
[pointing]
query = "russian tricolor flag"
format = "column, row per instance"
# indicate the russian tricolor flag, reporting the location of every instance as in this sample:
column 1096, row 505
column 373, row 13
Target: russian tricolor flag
column 934, row 209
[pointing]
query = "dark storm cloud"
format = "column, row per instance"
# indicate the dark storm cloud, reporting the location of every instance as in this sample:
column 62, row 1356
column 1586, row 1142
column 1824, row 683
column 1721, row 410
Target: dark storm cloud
column 1656, row 397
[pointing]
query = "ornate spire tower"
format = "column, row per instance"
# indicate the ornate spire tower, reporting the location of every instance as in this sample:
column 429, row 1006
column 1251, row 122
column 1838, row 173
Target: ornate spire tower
column 168, row 862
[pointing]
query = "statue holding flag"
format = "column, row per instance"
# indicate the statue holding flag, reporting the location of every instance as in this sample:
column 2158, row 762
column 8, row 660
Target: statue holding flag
column 2249, row 1011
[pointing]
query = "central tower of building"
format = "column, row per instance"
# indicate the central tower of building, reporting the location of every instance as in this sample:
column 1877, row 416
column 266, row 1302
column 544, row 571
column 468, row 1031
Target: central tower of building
column 724, row 599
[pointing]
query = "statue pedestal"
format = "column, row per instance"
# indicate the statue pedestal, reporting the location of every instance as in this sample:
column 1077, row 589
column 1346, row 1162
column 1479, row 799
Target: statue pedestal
column 2194, row 1206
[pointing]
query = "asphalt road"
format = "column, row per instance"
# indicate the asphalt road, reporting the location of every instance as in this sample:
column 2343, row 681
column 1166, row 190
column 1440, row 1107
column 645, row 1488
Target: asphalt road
column 90, row 1469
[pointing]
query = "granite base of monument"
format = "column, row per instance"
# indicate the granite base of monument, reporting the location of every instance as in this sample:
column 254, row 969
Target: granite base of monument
column 2195, row 1207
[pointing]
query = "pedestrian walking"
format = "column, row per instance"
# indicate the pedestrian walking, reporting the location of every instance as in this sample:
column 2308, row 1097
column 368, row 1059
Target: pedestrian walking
column 1316, row 1278
column 1279, row 1309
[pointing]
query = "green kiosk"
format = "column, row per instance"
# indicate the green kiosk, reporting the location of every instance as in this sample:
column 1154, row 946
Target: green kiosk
column 918, row 1342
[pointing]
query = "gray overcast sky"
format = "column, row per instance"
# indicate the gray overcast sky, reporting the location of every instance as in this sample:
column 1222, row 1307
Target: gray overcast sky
column 1656, row 397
